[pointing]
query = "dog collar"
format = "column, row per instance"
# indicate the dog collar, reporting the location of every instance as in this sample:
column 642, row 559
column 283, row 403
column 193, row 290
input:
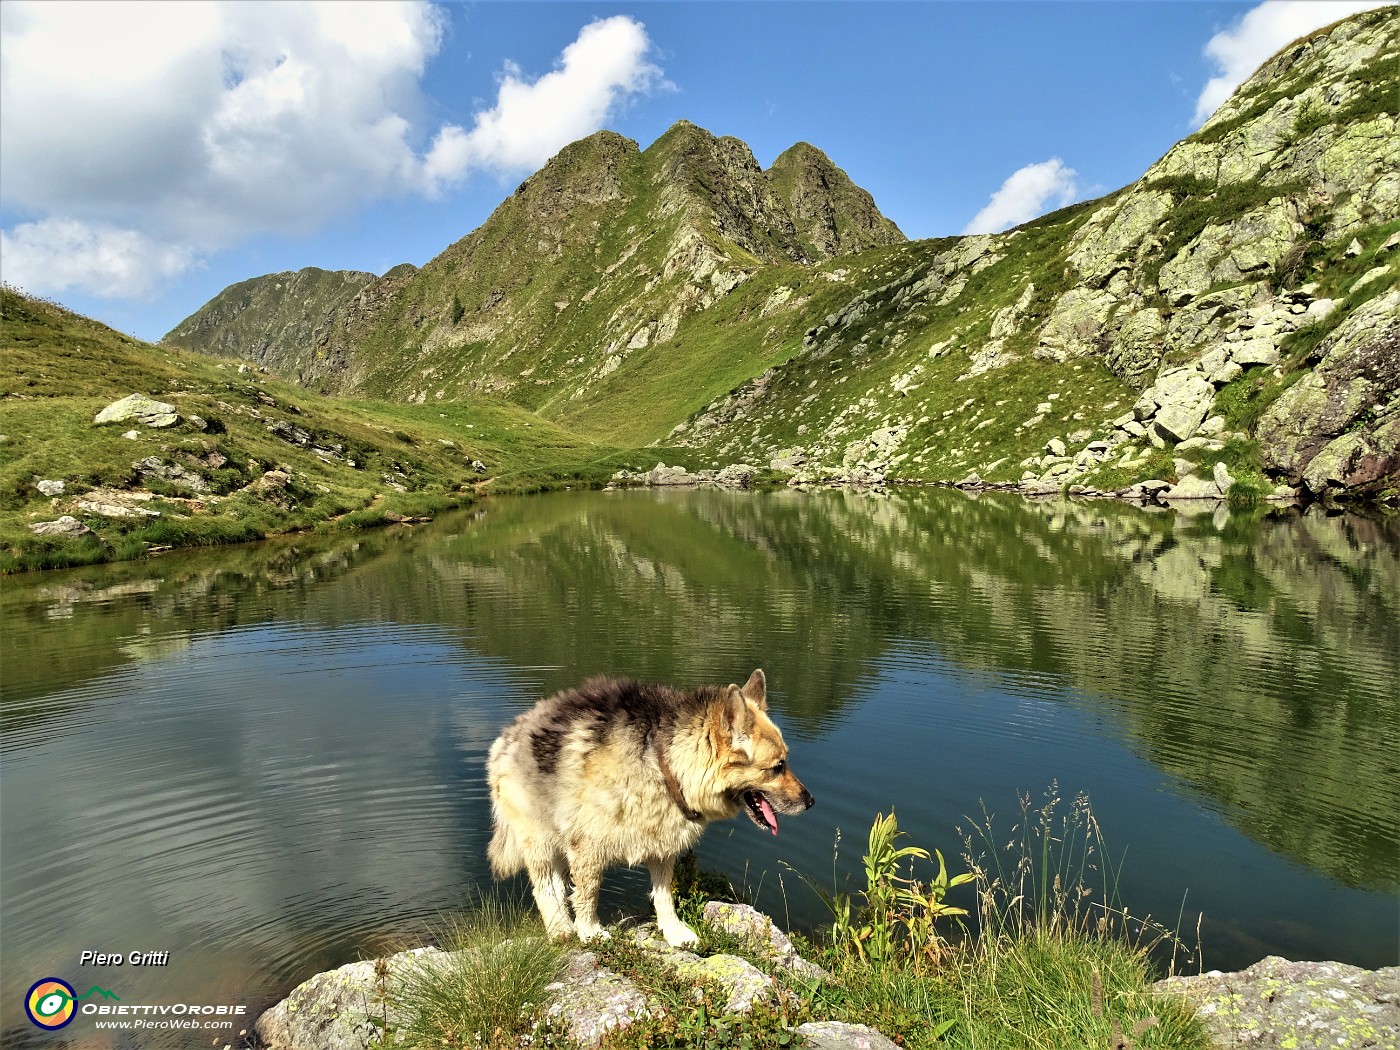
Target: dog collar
column 673, row 788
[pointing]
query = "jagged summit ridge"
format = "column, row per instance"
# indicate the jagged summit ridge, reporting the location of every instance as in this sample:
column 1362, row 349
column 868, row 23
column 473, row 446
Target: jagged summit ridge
column 601, row 253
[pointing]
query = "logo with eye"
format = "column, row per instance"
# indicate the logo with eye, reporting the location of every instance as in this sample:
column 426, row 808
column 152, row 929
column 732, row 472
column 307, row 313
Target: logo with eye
column 50, row 1003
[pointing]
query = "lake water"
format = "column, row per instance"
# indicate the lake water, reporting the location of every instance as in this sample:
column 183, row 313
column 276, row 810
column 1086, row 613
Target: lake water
column 268, row 760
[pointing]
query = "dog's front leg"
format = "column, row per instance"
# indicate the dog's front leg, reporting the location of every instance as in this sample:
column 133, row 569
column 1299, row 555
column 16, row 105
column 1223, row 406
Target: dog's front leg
column 677, row 933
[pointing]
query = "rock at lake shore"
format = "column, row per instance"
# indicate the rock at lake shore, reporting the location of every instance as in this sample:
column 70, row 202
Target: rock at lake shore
column 1275, row 1003
column 335, row 1010
column 1344, row 413
column 1305, row 1005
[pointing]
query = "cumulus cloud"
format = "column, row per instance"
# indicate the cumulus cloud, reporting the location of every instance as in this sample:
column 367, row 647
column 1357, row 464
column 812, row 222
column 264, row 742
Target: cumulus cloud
column 1024, row 195
column 1238, row 51
column 532, row 120
column 189, row 127
column 54, row 255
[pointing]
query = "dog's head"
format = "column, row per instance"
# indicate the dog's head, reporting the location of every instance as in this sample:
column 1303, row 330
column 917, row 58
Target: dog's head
column 755, row 770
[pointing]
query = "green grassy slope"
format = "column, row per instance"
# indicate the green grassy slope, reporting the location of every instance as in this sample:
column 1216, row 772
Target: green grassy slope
column 346, row 465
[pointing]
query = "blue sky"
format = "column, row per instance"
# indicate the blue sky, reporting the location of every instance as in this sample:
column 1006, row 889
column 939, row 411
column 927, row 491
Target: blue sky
column 151, row 154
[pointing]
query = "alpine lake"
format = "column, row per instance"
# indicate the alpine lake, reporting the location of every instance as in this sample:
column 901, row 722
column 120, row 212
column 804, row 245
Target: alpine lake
column 268, row 760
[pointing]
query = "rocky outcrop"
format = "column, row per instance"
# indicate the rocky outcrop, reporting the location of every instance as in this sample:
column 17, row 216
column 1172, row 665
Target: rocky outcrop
column 734, row 476
column 831, row 215
column 1275, row 1003
column 1338, row 427
column 1303, row 1005
column 66, row 526
column 344, row 1009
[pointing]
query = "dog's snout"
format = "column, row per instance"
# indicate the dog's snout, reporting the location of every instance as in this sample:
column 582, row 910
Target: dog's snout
column 807, row 800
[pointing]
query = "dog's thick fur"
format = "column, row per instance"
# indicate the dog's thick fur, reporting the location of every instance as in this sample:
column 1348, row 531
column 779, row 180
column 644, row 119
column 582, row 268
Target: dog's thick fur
column 622, row 772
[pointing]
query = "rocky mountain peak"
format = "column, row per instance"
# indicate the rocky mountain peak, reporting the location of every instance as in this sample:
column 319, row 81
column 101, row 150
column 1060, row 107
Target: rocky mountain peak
column 833, row 215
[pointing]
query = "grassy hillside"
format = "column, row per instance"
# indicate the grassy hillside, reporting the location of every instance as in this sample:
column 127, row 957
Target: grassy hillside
column 250, row 456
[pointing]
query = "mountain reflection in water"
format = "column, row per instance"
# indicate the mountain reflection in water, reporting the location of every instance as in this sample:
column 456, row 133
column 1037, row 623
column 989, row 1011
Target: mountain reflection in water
column 268, row 760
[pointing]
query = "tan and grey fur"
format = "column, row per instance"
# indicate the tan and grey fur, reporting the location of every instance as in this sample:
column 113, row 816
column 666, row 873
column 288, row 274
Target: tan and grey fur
column 623, row 772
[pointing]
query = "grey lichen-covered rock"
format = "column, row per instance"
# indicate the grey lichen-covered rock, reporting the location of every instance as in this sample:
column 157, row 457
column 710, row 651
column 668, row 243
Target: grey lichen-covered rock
column 64, row 526
column 591, row 1000
column 838, row 1035
column 1352, row 391
column 1185, row 408
column 762, row 934
column 1223, row 481
column 1304, row 1005
column 142, row 409
column 1193, row 487
column 337, row 1010
column 157, row 469
column 1357, row 461
column 742, row 984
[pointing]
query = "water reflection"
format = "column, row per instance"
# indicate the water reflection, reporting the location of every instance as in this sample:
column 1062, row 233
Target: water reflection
column 268, row 759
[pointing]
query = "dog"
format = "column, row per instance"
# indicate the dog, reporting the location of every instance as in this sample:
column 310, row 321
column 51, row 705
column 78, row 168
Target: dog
column 623, row 772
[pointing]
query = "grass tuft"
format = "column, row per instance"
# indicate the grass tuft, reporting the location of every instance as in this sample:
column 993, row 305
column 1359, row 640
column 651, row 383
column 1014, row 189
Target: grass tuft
column 487, row 991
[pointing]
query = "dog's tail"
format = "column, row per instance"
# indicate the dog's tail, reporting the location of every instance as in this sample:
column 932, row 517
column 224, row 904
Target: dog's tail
column 504, row 851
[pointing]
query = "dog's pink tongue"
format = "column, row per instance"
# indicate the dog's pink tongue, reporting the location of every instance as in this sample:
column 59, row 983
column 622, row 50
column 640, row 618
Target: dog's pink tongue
column 768, row 814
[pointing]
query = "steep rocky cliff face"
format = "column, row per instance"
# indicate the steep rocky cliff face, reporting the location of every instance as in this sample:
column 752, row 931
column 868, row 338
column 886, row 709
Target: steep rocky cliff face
column 1233, row 310
column 271, row 320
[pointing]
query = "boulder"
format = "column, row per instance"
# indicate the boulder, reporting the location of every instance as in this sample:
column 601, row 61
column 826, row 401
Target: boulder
column 50, row 488
column 742, row 983
column 1223, row 481
column 1356, row 462
column 1184, row 409
column 1192, row 487
column 141, row 409
column 153, row 467
column 736, row 475
column 591, row 1000
column 1307, row 1005
column 1255, row 352
column 1318, row 310
column 838, row 1035
column 64, row 526
column 762, row 934
column 333, row 1010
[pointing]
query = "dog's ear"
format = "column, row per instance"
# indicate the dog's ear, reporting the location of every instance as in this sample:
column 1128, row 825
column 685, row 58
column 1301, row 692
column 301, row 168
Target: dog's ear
column 756, row 690
column 735, row 715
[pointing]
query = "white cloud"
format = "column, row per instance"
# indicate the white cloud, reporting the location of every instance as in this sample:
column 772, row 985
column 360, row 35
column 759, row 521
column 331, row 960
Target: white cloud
column 54, row 255
column 532, row 120
column 199, row 124
column 1238, row 51
column 1024, row 195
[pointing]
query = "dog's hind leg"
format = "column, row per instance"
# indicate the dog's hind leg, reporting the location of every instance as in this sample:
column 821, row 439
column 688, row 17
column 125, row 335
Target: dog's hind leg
column 549, row 880
column 677, row 933
column 587, row 873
